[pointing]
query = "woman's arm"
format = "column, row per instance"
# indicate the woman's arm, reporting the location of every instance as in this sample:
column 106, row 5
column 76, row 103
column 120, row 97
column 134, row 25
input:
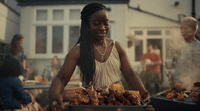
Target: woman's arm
column 24, row 66
column 63, row 76
column 132, row 79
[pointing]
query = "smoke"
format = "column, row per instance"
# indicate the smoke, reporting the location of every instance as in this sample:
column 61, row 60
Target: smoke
column 188, row 79
column 177, row 42
column 190, row 62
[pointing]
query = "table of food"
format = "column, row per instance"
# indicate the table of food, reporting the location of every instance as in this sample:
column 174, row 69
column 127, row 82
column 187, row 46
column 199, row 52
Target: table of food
column 42, row 83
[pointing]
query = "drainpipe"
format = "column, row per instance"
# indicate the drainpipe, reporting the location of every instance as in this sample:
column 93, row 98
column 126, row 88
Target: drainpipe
column 193, row 8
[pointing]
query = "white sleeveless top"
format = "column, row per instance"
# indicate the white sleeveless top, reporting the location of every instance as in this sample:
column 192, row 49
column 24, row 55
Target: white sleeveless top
column 108, row 72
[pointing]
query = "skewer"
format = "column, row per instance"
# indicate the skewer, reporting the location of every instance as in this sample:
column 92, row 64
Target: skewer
column 82, row 88
column 190, row 95
column 91, row 86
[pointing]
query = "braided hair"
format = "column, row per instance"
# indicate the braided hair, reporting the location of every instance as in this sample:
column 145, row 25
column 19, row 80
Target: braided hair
column 87, row 60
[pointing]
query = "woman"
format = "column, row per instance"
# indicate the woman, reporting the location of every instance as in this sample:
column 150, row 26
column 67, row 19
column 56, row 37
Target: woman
column 101, row 60
column 15, row 50
column 51, row 71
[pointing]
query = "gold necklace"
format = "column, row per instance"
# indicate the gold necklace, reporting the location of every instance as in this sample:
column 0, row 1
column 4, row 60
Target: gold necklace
column 102, row 55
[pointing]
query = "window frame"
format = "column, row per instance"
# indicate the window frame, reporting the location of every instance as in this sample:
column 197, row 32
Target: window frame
column 49, row 23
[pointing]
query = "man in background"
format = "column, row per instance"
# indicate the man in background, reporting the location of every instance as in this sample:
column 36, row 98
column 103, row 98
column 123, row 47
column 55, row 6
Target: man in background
column 187, row 70
column 152, row 62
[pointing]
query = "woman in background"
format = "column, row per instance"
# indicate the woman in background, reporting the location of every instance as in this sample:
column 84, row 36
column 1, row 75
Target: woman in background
column 15, row 49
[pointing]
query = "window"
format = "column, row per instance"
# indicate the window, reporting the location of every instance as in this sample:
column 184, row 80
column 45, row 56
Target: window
column 138, row 32
column 57, row 40
column 154, row 32
column 41, row 39
column 58, row 15
column 74, row 33
column 41, row 15
column 138, row 50
column 54, row 34
column 74, row 14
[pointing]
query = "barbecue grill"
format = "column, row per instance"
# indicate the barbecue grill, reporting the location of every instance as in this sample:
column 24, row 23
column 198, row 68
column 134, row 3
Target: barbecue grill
column 162, row 103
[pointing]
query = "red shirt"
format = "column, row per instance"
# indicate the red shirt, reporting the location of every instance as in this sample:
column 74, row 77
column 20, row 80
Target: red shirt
column 154, row 58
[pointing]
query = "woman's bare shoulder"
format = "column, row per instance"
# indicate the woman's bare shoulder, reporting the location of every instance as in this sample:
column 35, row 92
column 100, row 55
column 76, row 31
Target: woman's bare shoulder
column 74, row 52
column 119, row 47
column 109, row 41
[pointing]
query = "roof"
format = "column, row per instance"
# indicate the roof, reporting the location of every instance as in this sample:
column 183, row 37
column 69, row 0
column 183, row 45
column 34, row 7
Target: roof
column 64, row 2
column 162, row 17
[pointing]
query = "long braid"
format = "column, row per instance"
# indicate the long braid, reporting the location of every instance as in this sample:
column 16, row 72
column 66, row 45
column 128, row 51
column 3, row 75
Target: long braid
column 87, row 60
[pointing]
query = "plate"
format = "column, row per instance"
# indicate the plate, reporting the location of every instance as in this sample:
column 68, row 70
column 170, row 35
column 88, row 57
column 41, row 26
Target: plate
column 43, row 83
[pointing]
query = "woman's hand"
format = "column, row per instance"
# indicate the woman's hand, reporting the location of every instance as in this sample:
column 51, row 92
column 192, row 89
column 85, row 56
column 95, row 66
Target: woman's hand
column 145, row 96
column 56, row 102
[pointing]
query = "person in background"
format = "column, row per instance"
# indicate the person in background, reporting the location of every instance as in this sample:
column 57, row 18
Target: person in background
column 12, row 94
column 100, row 59
column 188, row 65
column 15, row 50
column 152, row 62
column 156, row 50
column 51, row 71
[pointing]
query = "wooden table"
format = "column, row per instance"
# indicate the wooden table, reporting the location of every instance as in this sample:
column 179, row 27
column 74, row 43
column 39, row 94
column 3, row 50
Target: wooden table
column 37, row 86
column 47, row 85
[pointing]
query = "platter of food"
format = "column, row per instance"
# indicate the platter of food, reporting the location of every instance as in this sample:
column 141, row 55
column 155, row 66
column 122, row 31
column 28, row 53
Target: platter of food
column 113, row 99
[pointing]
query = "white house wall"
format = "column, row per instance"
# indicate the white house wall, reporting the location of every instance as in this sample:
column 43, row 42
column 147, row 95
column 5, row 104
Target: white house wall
column 197, row 8
column 139, row 19
column 119, row 15
column 165, row 8
column 9, row 23
column 26, row 29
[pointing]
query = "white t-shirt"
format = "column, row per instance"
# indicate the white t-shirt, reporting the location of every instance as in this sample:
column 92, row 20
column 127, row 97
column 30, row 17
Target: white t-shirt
column 157, row 51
